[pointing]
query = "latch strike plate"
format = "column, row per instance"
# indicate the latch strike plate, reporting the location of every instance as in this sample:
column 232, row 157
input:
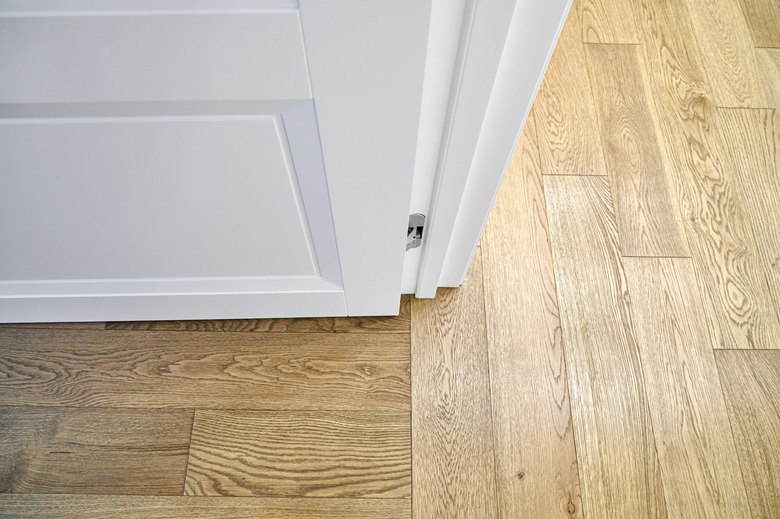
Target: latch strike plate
column 414, row 232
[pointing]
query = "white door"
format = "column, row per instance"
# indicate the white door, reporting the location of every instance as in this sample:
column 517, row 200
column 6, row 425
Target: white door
column 188, row 159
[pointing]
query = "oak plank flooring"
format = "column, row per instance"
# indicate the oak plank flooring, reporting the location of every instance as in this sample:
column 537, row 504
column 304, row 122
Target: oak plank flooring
column 135, row 507
column 731, row 277
column 751, row 383
column 55, row 326
column 690, row 421
column 564, row 112
column 384, row 324
column 619, row 471
column 103, row 368
column 647, row 213
column 753, row 138
column 769, row 61
column 452, row 460
column 763, row 20
column 91, row 451
column 727, row 54
column 606, row 21
column 536, row 461
column 300, row 454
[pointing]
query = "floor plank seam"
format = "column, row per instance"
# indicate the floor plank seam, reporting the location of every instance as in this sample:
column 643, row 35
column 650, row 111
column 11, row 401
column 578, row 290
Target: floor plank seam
column 189, row 451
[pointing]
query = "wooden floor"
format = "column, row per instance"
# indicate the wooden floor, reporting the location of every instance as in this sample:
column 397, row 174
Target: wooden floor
column 614, row 352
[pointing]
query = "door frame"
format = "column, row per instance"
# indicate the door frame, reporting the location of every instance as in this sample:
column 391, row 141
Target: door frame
column 504, row 48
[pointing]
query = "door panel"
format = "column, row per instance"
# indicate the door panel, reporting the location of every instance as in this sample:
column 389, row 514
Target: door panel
column 146, row 195
column 123, row 56
column 166, row 160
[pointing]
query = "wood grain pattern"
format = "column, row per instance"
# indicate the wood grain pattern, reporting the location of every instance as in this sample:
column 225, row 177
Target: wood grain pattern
column 753, row 138
column 299, row 454
column 452, row 461
column 133, row 507
column 204, row 370
column 55, row 326
column 727, row 54
column 619, row 471
column 763, row 20
column 690, row 421
column 646, row 209
column 536, row 461
column 90, row 451
column 769, row 61
column 564, row 113
column 728, row 267
column 751, row 383
column 606, row 21
column 388, row 324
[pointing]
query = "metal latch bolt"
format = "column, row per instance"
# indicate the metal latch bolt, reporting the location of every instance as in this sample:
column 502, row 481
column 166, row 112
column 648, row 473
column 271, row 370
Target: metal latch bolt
column 415, row 230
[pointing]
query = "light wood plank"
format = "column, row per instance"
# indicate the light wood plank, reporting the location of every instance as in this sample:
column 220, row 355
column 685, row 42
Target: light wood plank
column 93, row 451
column 753, row 138
column 452, row 461
column 727, row 54
column 565, row 116
column 387, row 324
column 132, row 507
column 763, row 20
column 751, row 383
column 300, row 454
column 769, row 61
column 619, row 471
column 690, row 422
column 536, row 459
column 728, row 267
column 648, row 216
column 204, row 370
column 607, row 21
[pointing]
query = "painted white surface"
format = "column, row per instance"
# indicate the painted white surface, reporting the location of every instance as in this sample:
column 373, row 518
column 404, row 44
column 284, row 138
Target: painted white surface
column 99, row 7
column 509, row 45
column 366, row 61
column 120, row 57
column 175, row 171
column 145, row 196
column 441, row 57
column 483, row 41
column 530, row 44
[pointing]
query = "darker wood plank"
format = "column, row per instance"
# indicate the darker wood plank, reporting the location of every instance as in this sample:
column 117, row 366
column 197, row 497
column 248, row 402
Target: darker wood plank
column 300, row 454
column 616, row 453
column 133, row 507
column 752, row 139
column 536, row 462
column 55, row 326
column 93, row 451
column 728, row 267
column 727, row 54
column 646, row 208
column 387, row 324
column 564, row 112
column 452, row 461
column 204, row 370
column 751, row 383
column 690, row 422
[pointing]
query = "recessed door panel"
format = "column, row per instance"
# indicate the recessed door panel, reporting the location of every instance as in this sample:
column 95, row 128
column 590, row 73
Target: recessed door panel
column 160, row 56
column 201, row 196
